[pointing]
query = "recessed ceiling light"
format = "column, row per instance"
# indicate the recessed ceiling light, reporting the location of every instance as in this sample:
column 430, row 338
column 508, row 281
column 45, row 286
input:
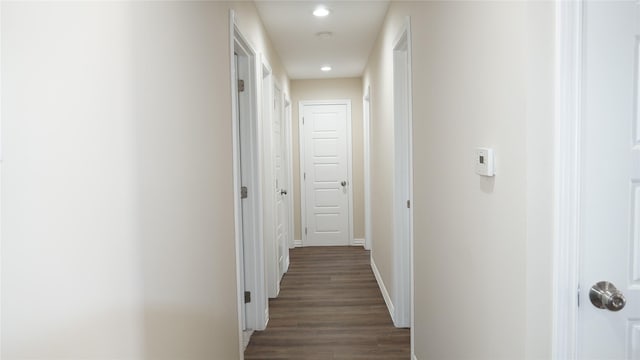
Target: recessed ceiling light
column 321, row 11
column 326, row 68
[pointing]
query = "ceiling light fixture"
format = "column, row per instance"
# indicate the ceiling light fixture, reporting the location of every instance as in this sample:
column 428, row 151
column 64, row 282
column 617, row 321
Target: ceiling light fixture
column 321, row 11
column 326, row 68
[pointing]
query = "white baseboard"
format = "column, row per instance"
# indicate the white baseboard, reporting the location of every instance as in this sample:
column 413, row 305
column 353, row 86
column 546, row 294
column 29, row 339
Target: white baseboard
column 297, row 243
column 383, row 289
column 358, row 242
column 287, row 262
column 246, row 337
column 266, row 317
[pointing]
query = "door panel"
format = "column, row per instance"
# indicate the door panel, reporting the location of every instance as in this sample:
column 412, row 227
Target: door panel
column 610, row 214
column 281, row 187
column 326, row 170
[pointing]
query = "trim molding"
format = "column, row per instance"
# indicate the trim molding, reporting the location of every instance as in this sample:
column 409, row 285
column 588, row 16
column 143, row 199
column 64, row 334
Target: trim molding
column 358, row 242
column 297, row 243
column 366, row 122
column 383, row 290
column 569, row 22
column 403, row 184
column 246, row 337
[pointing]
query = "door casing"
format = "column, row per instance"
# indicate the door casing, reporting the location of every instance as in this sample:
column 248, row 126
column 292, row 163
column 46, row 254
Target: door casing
column 366, row 111
column 287, row 119
column 568, row 104
column 403, row 179
column 249, row 253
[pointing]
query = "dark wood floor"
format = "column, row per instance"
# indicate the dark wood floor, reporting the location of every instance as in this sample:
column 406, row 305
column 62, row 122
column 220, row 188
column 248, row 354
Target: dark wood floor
column 329, row 307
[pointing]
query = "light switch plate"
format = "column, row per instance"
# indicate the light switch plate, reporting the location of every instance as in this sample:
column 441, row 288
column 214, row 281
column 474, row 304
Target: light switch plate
column 485, row 162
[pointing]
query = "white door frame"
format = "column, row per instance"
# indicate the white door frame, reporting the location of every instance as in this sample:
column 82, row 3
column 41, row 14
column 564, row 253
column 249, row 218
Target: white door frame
column 568, row 105
column 403, row 179
column 248, row 273
column 301, row 137
column 366, row 111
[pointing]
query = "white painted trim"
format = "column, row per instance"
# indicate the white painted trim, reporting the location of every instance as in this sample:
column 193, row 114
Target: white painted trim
column 246, row 338
column 236, row 190
column 413, row 356
column 358, row 242
column 569, row 18
column 254, row 279
column 288, row 118
column 403, row 185
column 383, row 290
column 287, row 262
column 350, row 169
column 297, row 243
column 1, row 188
column 301, row 177
column 366, row 111
column 301, row 137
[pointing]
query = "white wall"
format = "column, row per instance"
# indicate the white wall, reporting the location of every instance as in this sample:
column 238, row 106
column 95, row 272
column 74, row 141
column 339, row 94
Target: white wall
column 540, row 37
column 117, row 221
column 482, row 76
column 332, row 89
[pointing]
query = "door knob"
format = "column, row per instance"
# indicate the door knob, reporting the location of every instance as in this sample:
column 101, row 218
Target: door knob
column 283, row 192
column 343, row 183
column 604, row 295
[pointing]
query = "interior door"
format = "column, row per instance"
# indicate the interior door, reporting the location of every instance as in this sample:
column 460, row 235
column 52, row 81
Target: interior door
column 243, row 310
column 281, row 188
column 242, row 151
column 610, row 200
column 325, row 177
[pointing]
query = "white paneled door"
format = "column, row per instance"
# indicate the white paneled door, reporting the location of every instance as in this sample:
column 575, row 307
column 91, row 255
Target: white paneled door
column 281, row 186
column 325, row 173
column 610, row 200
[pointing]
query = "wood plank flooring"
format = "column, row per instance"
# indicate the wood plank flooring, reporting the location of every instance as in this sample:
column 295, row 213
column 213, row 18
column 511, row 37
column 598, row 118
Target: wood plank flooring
column 329, row 308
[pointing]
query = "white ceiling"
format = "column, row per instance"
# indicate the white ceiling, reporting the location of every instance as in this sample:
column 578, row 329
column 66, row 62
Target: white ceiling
column 293, row 28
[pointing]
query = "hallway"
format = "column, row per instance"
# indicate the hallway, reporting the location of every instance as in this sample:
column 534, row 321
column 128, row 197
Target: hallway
column 329, row 307
column 156, row 166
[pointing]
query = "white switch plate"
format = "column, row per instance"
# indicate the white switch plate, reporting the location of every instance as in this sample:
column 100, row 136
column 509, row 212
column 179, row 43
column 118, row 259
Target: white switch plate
column 485, row 163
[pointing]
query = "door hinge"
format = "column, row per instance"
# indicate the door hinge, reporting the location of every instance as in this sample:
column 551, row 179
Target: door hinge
column 240, row 85
column 305, row 231
column 304, row 176
column 244, row 192
column 303, row 120
column 247, row 297
column 408, row 204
